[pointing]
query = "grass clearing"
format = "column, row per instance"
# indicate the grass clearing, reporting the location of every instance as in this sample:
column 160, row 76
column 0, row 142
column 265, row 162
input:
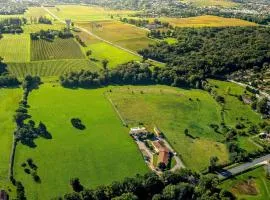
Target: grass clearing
column 131, row 37
column 15, row 48
column 114, row 55
column 32, row 28
column 87, row 13
column 50, row 68
column 58, row 49
column 9, row 103
column 250, row 185
column 171, row 110
column 102, row 153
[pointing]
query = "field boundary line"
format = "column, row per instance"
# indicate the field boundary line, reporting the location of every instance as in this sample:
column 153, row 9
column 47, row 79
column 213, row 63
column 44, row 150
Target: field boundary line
column 116, row 110
column 97, row 37
column 12, row 157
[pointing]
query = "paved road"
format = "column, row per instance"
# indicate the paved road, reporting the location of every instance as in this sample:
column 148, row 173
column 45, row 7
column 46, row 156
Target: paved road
column 96, row 36
column 241, row 168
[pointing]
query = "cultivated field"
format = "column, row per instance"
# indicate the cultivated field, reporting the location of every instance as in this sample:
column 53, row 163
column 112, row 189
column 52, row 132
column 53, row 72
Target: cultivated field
column 131, row 37
column 15, row 48
column 50, row 67
column 87, row 13
column 252, row 185
column 58, row 49
column 206, row 21
column 100, row 154
column 32, row 28
column 114, row 55
column 8, row 104
column 202, row 3
column 171, row 110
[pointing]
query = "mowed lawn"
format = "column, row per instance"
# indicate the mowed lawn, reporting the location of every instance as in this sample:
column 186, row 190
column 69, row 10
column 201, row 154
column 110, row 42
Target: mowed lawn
column 49, row 68
column 114, row 55
column 252, row 185
column 87, row 13
column 9, row 103
column 206, row 21
column 57, row 49
column 124, row 35
column 15, row 48
column 173, row 110
column 100, row 154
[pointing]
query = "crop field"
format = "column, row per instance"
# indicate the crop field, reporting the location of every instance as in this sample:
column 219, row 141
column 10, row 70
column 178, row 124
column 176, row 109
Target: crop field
column 50, row 67
column 100, row 154
column 171, row 110
column 207, row 21
column 15, row 48
column 202, row 3
column 58, row 49
column 87, row 13
column 8, row 104
column 32, row 28
column 36, row 12
column 114, row 55
column 252, row 185
column 131, row 37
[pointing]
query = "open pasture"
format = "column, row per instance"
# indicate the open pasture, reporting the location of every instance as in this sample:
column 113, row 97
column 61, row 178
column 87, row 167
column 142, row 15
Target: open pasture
column 57, row 49
column 102, row 153
column 202, row 3
column 173, row 111
column 206, row 21
column 8, row 104
column 87, row 13
column 131, row 37
column 251, row 185
column 50, row 67
column 32, row 28
column 15, row 48
column 114, row 55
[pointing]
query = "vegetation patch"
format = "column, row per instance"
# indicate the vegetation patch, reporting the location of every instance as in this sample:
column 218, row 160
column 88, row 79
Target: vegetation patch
column 77, row 123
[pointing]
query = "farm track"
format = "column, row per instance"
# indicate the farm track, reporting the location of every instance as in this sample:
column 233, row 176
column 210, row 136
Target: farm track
column 96, row 36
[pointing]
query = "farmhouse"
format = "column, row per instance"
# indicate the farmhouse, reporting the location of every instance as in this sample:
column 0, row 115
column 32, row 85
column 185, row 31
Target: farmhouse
column 3, row 195
column 163, row 152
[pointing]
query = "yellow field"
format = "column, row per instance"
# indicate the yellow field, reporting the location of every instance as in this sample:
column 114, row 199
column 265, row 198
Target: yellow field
column 201, row 3
column 207, row 21
column 125, row 35
column 36, row 12
column 86, row 13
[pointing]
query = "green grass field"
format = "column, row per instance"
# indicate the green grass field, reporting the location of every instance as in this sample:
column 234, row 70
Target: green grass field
column 32, row 28
column 58, row 49
column 102, row 153
column 15, row 48
column 114, row 55
column 131, row 37
column 252, row 185
column 8, row 104
column 87, row 13
column 50, row 68
column 171, row 110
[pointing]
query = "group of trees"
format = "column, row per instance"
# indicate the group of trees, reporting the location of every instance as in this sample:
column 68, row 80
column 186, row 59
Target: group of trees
column 12, row 25
column 44, row 20
column 51, row 34
column 180, row 185
column 7, row 80
column 213, row 52
column 155, row 24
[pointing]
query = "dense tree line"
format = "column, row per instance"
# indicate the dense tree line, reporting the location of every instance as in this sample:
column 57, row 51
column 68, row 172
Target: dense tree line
column 51, row 34
column 7, row 80
column 130, row 73
column 12, row 25
column 181, row 185
column 146, row 23
column 207, row 52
